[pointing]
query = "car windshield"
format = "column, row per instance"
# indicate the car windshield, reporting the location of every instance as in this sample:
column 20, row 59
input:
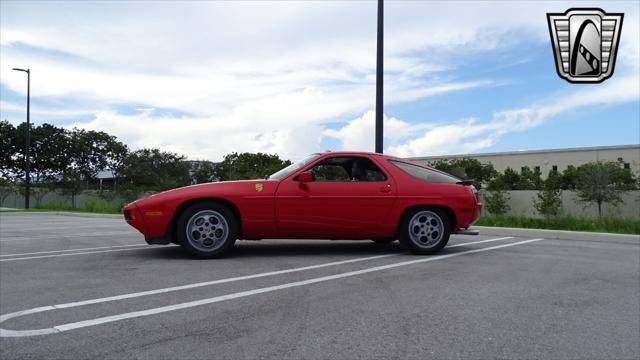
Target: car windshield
column 291, row 168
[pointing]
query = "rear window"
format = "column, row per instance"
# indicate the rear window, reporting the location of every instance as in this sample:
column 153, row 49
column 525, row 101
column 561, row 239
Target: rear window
column 425, row 174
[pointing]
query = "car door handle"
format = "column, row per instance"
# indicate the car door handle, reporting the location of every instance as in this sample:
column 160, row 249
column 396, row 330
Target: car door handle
column 386, row 188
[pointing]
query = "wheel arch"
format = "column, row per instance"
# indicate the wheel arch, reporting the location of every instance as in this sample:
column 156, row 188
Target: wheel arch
column 185, row 205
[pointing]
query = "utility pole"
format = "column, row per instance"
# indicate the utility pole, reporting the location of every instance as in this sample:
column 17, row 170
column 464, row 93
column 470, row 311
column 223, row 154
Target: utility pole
column 379, row 75
column 27, row 179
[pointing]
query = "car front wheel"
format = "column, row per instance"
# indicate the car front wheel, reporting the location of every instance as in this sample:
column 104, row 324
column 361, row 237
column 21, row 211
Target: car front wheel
column 424, row 230
column 207, row 229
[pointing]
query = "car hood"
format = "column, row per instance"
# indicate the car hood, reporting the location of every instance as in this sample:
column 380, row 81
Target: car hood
column 237, row 187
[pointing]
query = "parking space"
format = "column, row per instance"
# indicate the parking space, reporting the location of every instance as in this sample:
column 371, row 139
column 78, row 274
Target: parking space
column 91, row 288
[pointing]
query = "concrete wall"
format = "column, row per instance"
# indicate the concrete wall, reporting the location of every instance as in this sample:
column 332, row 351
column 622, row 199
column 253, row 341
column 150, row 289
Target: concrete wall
column 521, row 202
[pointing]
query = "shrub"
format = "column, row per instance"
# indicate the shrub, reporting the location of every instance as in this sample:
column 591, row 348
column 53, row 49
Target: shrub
column 548, row 201
column 497, row 202
column 603, row 182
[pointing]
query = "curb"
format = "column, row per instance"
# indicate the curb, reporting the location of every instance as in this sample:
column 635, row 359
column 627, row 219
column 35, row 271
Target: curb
column 111, row 216
column 558, row 234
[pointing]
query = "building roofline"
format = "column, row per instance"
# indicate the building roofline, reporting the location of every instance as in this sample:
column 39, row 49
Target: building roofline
column 526, row 152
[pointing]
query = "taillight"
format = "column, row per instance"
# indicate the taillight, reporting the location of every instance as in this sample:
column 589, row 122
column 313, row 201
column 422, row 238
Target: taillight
column 475, row 193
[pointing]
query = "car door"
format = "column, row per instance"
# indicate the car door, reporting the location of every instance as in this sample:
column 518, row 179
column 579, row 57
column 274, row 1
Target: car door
column 338, row 203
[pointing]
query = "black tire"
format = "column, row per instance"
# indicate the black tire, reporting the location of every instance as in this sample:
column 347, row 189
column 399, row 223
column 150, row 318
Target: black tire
column 219, row 246
column 423, row 241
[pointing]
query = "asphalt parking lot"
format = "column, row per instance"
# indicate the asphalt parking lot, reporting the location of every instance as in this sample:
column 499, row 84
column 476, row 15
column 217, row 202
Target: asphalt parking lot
column 99, row 292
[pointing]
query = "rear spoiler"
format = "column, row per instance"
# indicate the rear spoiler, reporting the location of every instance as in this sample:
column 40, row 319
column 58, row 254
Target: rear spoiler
column 465, row 182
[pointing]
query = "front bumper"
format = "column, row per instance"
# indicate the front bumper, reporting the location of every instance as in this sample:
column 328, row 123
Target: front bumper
column 164, row 239
column 133, row 217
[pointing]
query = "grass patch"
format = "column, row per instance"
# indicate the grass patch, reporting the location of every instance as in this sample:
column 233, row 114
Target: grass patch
column 52, row 207
column 101, row 206
column 620, row 226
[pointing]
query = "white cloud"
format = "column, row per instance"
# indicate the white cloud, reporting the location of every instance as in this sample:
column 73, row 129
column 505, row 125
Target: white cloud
column 204, row 138
column 471, row 135
column 357, row 134
column 272, row 76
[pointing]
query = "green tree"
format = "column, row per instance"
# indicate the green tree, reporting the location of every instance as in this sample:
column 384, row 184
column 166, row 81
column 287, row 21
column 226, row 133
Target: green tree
column 603, row 182
column 48, row 155
column 468, row 169
column 203, row 172
column 510, row 179
column 90, row 151
column 569, row 178
column 548, row 201
column 116, row 154
column 497, row 199
column 529, row 179
column 497, row 202
column 8, row 150
column 153, row 170
column 243, row 166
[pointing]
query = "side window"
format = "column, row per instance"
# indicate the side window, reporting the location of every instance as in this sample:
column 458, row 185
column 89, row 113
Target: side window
column 330, row 172
column 375, row 174
column 347, row 168
column 425, row 174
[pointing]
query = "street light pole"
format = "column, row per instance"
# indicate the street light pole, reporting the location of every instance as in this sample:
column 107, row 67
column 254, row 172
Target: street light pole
column 27, row 179
column 379, row 78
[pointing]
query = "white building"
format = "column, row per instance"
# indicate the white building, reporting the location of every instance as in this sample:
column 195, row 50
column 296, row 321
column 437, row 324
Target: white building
column 553, row 159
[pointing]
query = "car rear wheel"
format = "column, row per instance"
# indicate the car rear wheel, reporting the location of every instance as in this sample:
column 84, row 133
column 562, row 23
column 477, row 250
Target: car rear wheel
column 424, row 230
column 207, row 229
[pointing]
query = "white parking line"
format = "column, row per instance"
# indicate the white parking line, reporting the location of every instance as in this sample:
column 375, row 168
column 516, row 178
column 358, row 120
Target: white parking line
column 82, row 221
column 62, row 237
column 44, row 228
column 72, row 250
column 107, row 319
column 79, row 253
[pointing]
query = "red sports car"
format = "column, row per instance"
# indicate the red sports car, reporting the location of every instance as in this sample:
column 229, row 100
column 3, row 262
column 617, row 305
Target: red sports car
column 332, row 195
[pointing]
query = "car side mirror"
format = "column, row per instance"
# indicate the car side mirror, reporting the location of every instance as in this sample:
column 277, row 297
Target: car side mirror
column 304, row 178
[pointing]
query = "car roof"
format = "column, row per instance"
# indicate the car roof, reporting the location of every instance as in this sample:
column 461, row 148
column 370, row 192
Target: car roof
column 355, row 153
column 347, row 153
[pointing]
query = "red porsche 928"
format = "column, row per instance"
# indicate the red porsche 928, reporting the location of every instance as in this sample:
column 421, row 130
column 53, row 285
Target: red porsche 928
column 332, row 195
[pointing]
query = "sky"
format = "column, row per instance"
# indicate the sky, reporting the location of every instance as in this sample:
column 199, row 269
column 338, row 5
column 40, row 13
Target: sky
column 208, row 78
